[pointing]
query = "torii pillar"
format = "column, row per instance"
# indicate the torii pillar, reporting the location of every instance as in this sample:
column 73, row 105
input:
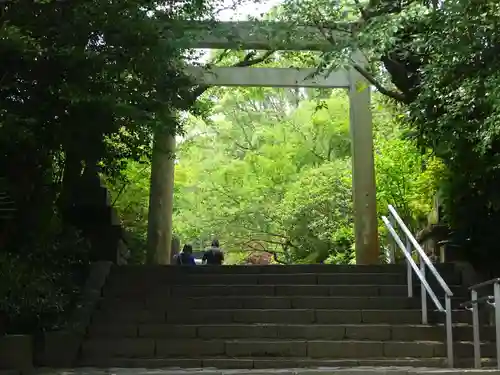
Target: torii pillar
column 161, row 199
column 363, row 171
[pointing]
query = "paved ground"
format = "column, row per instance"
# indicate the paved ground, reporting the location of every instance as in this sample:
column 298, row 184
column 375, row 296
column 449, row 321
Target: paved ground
column 317, row 371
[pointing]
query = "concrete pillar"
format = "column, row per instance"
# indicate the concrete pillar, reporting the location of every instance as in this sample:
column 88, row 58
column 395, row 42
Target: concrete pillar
column 363, row 171
column 161, row 197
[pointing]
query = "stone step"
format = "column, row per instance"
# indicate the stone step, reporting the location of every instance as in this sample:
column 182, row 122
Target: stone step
column 189, row 348
column 296, row 366
column 266, row 290
column 382, row 332
column 265, row 279
column 129, row 271
column 253, row 363
column 284, row 316
column 265, row 302
column 166, row 280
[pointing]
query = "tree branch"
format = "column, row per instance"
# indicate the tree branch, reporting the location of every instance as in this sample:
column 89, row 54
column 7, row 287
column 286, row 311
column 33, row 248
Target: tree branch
column 247, row 138
column 396, row 95
column 266, row 233
column 362, row 10
column 225, row 193
column 124, row 186
column 248, row 60
column 275, row 254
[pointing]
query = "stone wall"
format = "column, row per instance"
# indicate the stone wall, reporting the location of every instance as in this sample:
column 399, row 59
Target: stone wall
column 16, row 352
column 59, row 348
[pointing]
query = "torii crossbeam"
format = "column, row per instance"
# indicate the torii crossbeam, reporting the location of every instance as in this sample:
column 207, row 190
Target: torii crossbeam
column 263, row 35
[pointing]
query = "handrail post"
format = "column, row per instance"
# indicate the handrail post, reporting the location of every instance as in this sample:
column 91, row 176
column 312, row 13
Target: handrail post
column 409, row 273
column 393, row 242
column 475, row 329
column 423, row 292
column 496, row 294
column 449, row 330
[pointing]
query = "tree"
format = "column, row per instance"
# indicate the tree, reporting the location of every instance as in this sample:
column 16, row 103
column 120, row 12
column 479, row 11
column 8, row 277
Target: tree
column 130, row 197
column 83, row 86
column 272, row 176
column 446, row 89
column 318, row 215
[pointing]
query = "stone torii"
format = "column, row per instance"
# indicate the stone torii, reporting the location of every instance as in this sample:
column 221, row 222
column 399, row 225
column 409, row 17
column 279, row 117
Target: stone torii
column 266, row 35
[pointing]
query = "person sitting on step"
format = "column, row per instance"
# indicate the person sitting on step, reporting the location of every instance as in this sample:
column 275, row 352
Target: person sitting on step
column 185, row 257
column 213, row 255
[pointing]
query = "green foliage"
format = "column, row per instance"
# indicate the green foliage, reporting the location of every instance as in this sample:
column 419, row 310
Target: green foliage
column 317, row 213
column 80, row 84
column 234, row 178
column 130, row 197
column 269, row 170
column 456, row 114
column 38, row 285
column 83, row 86
column 446, row 89
column 406, row 179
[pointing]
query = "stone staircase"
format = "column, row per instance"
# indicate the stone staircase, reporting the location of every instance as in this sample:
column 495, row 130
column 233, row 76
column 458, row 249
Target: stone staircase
column 253, row 317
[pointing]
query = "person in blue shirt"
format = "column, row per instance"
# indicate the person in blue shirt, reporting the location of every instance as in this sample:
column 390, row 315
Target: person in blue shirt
column 185, row 257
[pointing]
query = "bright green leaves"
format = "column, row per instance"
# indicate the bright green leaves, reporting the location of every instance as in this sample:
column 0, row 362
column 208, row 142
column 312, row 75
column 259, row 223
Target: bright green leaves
column 273, row 168
column 317, row 207
column 259, row 146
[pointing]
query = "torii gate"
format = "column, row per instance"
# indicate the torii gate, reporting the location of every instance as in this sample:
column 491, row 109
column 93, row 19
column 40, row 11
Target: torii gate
column 270, row 36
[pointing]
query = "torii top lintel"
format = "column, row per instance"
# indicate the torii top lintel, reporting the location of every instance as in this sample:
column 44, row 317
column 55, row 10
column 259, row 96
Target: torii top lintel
column 264, row 35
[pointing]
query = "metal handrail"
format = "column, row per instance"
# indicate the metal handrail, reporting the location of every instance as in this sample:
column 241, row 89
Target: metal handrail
column 473, row 306
column 424, row 261
column 420, row 251
column 469, row 304
column 496, row 280
column 413, row 265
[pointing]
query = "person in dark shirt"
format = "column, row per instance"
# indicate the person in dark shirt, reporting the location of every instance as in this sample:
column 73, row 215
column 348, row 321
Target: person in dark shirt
column 186, row 256
column 213, row 255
